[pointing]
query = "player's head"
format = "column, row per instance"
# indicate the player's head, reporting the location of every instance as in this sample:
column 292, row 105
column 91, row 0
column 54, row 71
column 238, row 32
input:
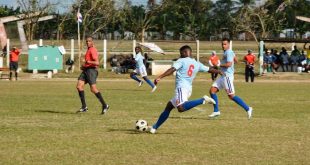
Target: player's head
column 89, row 42
column 213, row 53
column 225, row 43
column 138, row 49
column 249, row 51
column 185, row 51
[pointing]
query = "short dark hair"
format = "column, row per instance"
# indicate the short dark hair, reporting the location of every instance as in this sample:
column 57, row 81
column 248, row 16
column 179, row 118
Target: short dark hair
column 185, row 47
column 226, row 39
column 90, row 37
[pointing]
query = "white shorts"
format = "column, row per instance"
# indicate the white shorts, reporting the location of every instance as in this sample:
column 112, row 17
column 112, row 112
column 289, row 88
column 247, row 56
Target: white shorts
column 225, row 82
column 181, row 96
column 141, row 71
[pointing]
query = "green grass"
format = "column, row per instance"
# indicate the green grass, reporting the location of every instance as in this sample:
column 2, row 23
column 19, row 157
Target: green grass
column 38, row 125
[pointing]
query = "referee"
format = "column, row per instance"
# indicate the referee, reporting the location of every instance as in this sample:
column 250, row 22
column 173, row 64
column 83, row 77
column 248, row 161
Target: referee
column 89, row 75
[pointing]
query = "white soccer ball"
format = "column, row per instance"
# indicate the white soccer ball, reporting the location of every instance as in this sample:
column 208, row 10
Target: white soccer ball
column 141, row 125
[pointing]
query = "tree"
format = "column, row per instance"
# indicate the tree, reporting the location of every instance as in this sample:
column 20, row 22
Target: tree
column 33, row 10
column 97, row 14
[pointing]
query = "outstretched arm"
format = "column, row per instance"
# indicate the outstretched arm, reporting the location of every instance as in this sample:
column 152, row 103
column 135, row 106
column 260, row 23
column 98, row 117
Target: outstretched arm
column 166, row 73
column 212, row 70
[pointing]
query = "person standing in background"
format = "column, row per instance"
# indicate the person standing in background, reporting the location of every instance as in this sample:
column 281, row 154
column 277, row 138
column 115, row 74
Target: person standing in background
column 214, row 63
column 14, row 56
column 249, row 60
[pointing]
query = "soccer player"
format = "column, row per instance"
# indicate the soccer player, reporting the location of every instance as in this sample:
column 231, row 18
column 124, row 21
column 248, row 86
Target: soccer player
column 226, row 81
column 141, row 70
column 249, row 60
column 89, row 75
column 14, row 54
column 186, row 69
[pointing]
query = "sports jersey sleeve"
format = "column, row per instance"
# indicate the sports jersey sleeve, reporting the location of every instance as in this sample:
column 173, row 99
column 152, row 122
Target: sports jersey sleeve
column 203, row 68
column 230, row 56
column 177, row 65
column 94, row 54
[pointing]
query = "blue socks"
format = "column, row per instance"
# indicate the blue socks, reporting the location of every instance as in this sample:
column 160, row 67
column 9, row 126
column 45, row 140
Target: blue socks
column 215, row 106
column 240, row 102
column 191, row 104
column 149, row 82
column 135, row 78
column 162, row 118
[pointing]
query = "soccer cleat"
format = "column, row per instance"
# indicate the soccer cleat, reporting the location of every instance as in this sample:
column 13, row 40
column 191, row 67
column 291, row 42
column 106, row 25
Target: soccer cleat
column 105, row 109
column 215, row 114
column 151, row 129
column 82, row 110
column 154, row 89
column 209, row 100
column 140, row 83
column 250, row 111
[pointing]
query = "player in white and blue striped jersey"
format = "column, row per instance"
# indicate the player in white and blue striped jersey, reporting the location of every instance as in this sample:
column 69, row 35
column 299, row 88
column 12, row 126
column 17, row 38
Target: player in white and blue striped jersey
column 226, row 81
column 186, row 69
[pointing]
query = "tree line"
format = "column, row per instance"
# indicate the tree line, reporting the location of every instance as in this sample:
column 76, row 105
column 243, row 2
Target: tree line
column 195, row 19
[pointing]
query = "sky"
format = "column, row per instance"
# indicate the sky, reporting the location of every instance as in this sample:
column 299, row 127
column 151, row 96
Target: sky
column 68, row 2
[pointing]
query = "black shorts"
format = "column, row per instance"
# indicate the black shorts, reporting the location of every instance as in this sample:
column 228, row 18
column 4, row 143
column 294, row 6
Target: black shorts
column 13, row 66
column 89, row 75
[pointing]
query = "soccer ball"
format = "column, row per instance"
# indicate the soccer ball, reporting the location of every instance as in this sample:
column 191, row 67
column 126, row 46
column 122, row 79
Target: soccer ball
column 141, row 125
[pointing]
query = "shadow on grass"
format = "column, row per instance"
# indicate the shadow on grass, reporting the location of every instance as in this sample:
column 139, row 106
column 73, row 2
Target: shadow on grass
column 50, row 111
column 131, row 90
column 194, row 118
column 134, row 131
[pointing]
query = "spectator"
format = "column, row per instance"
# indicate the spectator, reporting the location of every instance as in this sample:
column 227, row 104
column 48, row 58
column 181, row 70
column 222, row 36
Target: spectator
column 249, row 60
column 214, row 62
column 269, row 60
column 277, row 61
column 145, row 61
column 14, row 54
column 294, row 58
column 69, row 65
column 115, row 64
column 307, row 67
column 284, row 59
column 128, row 63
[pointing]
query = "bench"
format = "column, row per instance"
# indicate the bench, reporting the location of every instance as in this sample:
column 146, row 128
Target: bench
column 4, row 73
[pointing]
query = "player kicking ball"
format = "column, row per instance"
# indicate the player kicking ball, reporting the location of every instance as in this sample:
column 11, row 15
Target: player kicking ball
column 186, row 69
column 140, row 69
column 226, row 81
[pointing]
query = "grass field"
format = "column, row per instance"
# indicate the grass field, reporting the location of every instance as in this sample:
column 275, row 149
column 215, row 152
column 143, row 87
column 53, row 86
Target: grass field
column 39, row 125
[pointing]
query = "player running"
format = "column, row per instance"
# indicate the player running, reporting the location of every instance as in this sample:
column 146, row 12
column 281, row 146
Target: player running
column 186, row 69
column 226, row 81
column 89, row 75
column 140, row 69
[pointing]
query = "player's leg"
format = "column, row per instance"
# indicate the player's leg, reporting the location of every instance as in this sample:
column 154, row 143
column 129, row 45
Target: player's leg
column 92, row 75
column 163, row 117
column 229, row 86
column 216, row 86
column 185, row 105
column 246, row 74
column 80, row 88
column 15, row 69
column 148, row 81
column 252, row 74
column 133, row 75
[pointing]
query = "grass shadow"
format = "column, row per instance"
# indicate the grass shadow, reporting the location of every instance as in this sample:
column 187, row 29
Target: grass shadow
column 133, row 131
column 194, row 118
column 57, row 112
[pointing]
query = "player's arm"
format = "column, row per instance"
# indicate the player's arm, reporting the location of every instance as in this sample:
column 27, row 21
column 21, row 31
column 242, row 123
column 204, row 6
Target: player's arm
column 230, row 60
column 166, row 73
column 212, row 70
column 226, row 65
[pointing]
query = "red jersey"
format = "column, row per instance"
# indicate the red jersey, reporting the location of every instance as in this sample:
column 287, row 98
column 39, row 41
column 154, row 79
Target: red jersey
column 91, row 55
column 14, row 55
column 214, row 60
column 249, row 58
